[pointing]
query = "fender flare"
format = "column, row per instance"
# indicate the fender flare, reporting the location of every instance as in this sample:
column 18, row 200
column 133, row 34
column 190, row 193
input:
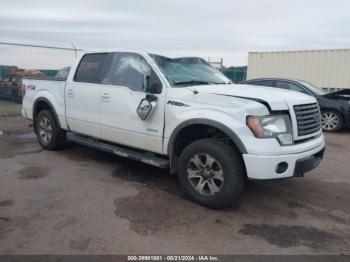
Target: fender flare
column 45, row 100
column 238, row 142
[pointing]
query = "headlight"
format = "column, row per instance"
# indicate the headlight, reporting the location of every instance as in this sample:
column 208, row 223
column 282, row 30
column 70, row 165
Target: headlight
column 274, row 126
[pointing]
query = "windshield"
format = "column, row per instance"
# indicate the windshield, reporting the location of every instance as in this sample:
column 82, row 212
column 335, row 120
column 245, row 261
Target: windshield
column 189, row 71
column 313, row 89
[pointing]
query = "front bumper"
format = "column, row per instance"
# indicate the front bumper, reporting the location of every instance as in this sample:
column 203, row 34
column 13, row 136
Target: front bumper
column 264, row 167
column 308, row 163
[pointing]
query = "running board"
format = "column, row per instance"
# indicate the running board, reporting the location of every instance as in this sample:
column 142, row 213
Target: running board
column 119, row 151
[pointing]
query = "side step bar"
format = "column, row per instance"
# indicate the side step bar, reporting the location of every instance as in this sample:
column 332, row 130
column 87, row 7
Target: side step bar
column 120, row 151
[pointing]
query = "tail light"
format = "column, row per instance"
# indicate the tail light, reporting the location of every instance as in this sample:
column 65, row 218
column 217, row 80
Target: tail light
column 23, row 90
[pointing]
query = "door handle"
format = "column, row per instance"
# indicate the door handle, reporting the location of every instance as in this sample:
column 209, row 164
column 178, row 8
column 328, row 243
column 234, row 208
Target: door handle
column 70, row 93
column 105, row 96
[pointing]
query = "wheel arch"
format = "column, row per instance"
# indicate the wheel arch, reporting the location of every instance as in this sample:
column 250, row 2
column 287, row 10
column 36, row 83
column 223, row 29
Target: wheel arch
column 43, row 103
column 200, row 122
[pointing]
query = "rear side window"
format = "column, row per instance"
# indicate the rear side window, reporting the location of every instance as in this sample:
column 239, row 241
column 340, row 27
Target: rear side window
column 262, row 83
column 127, row 69
column 270, row 83
column 91, row 69
column 289, row 86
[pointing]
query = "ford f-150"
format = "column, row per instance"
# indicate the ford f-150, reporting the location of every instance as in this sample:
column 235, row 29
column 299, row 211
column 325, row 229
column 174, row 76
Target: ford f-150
column 181, row 114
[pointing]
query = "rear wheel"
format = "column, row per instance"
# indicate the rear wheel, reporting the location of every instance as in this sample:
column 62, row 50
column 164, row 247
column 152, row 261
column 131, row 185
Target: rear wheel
column 211, row 173
column 50, row 136
column 331, row 121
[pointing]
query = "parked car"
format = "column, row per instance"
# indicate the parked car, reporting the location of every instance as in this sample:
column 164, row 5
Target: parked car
column 182, row 114
column 335, row 106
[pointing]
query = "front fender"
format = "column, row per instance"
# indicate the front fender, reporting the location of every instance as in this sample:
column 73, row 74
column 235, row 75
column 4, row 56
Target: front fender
column 233, row 127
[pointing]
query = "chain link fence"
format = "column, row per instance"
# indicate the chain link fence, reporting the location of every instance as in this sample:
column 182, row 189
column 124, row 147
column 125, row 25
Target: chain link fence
column 11, row 91
column 236, row 74
column 23, row 60
column 10, row 105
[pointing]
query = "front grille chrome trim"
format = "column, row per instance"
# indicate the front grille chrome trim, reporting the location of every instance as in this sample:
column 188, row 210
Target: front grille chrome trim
column 308, row 119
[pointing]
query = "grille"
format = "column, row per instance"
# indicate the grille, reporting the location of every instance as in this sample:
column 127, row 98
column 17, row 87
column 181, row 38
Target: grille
column 308, row 118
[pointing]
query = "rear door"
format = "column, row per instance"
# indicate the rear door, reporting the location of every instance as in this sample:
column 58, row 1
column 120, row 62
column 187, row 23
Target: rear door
column 83, row 95
column 123, row 89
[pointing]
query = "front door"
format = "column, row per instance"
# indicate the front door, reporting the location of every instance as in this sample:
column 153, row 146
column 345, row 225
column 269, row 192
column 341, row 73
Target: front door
column 123, row 88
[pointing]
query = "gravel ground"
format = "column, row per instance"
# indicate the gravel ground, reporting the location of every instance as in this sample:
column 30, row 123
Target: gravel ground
column 82, row 201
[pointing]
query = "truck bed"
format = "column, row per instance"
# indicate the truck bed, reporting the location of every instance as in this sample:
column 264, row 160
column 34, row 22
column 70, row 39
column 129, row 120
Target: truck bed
column 50, row 87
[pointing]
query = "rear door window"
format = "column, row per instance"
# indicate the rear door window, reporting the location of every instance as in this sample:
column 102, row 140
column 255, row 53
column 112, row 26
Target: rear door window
column 262, row 83
column 290, row 86
column 91, row 69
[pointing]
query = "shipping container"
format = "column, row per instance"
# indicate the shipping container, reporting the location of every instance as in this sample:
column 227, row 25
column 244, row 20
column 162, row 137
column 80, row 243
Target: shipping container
column 327, row 69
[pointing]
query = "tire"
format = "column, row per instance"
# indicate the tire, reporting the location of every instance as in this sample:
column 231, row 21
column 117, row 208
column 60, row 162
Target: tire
column 228, row 186
column 50, row 135
column 331, row 121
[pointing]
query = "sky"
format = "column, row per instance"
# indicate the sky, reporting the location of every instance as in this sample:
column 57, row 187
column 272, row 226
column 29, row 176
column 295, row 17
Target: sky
column 216, row 28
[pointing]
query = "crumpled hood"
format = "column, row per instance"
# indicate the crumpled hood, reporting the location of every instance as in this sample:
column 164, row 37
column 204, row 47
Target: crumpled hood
column 277, row 99
column 340, row 94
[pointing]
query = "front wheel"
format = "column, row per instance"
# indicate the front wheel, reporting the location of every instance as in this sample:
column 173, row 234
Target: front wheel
column 211, row 173
column 331, row 121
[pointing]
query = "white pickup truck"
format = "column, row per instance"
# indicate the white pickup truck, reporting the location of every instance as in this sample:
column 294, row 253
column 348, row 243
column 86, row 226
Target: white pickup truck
column 182, row 114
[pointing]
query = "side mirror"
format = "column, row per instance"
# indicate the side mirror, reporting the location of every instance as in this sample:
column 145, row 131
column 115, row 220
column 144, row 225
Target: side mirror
column 146, row 107
column 154, row 85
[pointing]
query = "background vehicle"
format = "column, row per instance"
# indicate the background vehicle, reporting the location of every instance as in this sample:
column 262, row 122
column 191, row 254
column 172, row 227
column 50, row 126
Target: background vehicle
column 63, row 73
column 182, row 114
column 10, row 85
column 335, row 106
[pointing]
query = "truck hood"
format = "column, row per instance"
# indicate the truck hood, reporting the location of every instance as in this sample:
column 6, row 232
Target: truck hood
column 276, row 99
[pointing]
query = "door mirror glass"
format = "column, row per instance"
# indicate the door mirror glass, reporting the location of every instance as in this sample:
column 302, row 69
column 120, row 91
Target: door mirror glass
column 145, row 108
column 154, row 85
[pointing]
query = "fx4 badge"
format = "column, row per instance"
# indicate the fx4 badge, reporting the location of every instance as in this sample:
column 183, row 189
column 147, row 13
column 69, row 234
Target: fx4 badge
column 175, row 103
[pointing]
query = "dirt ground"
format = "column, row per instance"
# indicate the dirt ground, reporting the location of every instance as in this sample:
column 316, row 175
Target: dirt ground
column 8, row 108
column 82, row 201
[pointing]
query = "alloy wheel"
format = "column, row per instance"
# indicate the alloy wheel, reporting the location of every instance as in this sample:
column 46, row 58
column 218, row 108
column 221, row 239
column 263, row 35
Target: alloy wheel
column 205, row 174
column 45, row 130
column 329, row 121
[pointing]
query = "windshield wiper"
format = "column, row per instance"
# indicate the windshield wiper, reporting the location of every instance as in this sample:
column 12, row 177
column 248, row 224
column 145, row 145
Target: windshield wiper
column 224, row 83
column 193, row 82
